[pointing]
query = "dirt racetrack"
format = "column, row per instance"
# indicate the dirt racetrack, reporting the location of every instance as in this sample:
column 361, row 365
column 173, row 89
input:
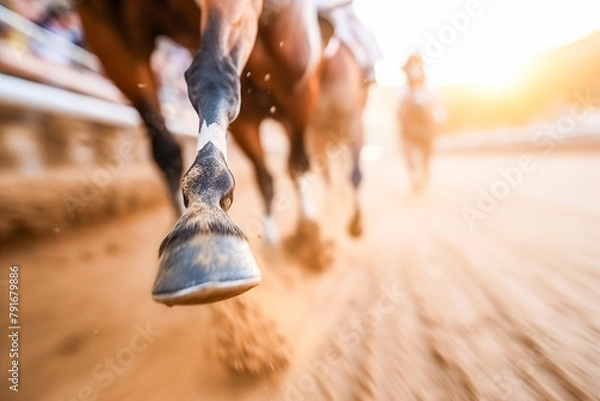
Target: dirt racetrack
column 428, row 305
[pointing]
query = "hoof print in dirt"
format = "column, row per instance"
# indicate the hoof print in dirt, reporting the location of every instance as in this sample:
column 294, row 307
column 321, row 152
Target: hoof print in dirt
column 307, row 246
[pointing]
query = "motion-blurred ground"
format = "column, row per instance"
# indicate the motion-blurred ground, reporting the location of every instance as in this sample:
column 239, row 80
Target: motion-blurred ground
column 426, row 306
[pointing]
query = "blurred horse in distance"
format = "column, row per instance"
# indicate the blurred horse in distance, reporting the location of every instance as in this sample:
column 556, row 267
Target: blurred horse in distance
column 420, row 114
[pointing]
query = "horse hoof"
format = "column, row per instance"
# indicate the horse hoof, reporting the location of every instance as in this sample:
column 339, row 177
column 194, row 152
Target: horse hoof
column 355, row 228
column 204, row 269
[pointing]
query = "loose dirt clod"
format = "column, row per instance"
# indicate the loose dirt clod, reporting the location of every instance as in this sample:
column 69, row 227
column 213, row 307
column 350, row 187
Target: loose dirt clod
column 307, row 246
column 246, row 341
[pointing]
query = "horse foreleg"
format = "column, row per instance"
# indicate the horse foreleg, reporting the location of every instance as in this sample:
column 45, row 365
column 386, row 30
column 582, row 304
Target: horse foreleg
column 206, row 257
column 128, row 65
column 356, row 139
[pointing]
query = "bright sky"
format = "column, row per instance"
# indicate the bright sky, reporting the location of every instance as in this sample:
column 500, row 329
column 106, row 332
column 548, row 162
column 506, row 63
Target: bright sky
column 487, row 47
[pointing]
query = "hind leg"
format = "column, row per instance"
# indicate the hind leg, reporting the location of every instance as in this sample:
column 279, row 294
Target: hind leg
column 356, row 138
column 307, row 243
column 412, row 156
column 245, row 130
column 427, row 150
column 127, row 64
column 298, row 166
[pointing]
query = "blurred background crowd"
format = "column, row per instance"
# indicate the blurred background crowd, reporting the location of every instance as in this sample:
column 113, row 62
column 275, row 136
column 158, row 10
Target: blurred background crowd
column 51, row 31
column 58, row 18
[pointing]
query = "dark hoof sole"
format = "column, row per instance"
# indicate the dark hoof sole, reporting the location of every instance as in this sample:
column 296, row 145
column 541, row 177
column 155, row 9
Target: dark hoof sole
column 205, row 269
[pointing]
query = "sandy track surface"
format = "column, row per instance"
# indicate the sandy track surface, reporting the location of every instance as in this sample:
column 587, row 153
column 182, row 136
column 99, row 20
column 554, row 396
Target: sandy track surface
column 424, row 307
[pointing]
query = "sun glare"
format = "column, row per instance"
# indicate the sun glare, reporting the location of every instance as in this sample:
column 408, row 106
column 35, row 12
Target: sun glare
column 492, row 76
column 482, row 43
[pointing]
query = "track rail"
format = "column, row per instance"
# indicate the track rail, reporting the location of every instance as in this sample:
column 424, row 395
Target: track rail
column 44, row 98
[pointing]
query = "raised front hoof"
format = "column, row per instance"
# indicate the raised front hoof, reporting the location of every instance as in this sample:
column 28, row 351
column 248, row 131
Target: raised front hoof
column 204, row 269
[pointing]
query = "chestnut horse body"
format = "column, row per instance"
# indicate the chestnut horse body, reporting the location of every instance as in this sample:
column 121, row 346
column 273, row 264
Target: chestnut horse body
column 329, row 121
column 206, row 257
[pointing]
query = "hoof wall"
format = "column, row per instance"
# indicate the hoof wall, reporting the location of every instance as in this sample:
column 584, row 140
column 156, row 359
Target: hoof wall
column 355, row 228
column 205, row 269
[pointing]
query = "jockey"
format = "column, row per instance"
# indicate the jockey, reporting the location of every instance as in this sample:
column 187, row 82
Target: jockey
column 353, row 34
column 417, row 88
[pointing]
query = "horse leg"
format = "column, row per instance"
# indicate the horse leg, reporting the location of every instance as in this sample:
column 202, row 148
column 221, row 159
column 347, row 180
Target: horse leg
column 247, row 135
column 409, row 156
column 356, row 138
column 427, row 149
column 419, row 165
column 137, row 82
column 307, row 243
column 298, row 166
column 206, row 257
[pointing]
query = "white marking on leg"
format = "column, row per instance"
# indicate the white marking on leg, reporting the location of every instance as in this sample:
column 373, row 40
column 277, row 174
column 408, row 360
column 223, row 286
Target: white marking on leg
column 332, row 47
column 309, row 209
column 271, row 232
column 213, row 133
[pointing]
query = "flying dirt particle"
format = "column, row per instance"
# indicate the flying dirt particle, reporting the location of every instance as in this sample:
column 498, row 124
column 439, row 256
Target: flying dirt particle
column 308, row 246
column 246, row 341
